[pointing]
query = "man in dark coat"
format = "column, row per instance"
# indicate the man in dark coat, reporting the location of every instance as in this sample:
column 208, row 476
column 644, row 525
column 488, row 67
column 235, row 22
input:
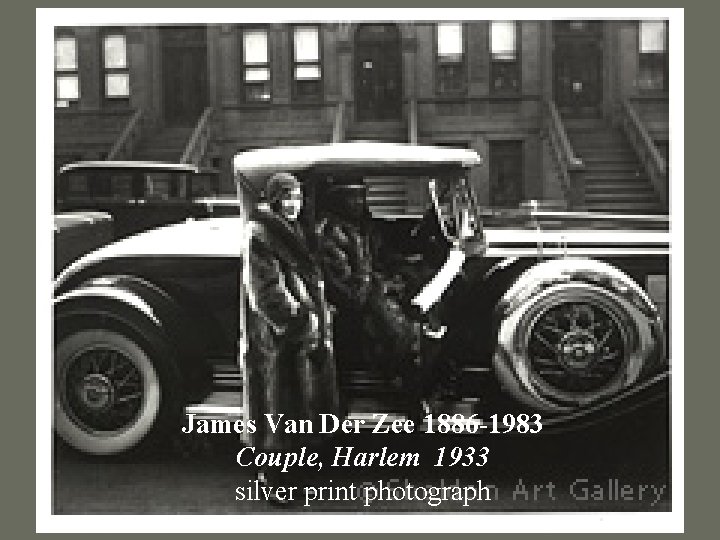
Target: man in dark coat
column 344, row 245
column 371, row 323
column 289, row 365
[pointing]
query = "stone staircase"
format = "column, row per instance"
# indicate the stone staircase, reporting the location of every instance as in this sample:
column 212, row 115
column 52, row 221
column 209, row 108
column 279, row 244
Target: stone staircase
column 378, row 130
column 87, row 136
column 615, row 180
column 165, row 144
column 386, row 196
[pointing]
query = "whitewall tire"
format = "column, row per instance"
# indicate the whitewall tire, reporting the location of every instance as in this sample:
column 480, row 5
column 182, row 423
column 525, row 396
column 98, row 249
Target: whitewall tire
column 108, row 392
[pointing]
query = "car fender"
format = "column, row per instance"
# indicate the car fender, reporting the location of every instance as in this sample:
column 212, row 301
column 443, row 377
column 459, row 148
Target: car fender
column 142, row 306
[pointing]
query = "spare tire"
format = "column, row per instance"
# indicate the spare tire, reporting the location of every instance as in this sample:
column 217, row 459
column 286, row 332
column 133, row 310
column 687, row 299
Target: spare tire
column 572, row 332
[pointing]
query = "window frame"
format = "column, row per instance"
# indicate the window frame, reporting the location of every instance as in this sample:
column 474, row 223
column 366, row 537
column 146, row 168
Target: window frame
column 661, row 59
column 244, row 85
column 461, row 64
column 297, row 96
column 105, row 70
column 68, row 103
column 516, row 62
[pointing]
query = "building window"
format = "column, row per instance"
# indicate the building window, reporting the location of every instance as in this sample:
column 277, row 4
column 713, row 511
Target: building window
column 653, row 56
column 116, row 77
column 256, row 66
column 506, row 174
column 504, row 58
column 450, row 66
column 307, row 70
column 67, row 79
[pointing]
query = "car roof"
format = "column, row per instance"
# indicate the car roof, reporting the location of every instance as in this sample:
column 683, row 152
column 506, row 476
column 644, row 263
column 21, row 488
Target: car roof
column 380, row 157
column 156, row 165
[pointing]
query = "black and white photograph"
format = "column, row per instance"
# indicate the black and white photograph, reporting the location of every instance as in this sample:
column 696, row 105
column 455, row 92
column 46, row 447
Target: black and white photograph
column 327, row 270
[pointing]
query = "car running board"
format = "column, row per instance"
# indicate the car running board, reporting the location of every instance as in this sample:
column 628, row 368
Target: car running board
column 220, row 406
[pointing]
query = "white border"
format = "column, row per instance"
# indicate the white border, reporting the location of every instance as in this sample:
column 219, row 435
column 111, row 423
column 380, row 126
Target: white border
column 428, row 522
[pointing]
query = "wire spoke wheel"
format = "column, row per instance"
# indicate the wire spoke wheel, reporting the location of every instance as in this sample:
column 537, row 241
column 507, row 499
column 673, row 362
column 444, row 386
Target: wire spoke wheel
column 103, row 389
column 577, row 346
column 108, row 391
column 574, row 333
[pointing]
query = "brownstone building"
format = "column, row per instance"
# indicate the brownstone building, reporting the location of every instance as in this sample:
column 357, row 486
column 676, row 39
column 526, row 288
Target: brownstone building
column 573, row 111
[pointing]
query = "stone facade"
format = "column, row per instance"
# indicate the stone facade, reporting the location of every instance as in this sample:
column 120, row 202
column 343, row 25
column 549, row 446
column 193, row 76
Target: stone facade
column 474, row 117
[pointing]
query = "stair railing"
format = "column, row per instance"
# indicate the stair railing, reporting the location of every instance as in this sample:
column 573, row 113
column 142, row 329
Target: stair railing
column 338, row 133
column 570, row 166
column 413, row 121
column 646, row 150
column 199, row 140
column 124, row 146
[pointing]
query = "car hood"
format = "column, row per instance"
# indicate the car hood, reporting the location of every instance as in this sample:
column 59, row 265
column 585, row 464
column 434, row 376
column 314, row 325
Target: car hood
column 213, row 237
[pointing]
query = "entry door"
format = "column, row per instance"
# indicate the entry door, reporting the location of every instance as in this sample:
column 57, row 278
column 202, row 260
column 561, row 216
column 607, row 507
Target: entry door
column 506, row 174
column 578, row 66
column 378, row 72
column 184, row 58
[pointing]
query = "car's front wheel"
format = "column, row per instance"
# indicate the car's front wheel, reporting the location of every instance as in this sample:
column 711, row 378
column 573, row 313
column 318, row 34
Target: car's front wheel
column 113, row 392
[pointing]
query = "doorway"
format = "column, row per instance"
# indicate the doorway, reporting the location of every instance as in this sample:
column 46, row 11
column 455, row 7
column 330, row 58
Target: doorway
column 578, row 68
column 378, row 72
column 506, row 174
column 184, row 74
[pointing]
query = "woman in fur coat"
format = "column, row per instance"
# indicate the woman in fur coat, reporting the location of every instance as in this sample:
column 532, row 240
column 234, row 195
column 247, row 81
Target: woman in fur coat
column 290, row 368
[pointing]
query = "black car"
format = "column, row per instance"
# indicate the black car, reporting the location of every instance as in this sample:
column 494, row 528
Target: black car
column 554, row 313
column 140, row 195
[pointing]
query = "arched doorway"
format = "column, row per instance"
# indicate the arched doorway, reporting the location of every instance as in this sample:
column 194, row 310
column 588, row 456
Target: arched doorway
column 378, row 72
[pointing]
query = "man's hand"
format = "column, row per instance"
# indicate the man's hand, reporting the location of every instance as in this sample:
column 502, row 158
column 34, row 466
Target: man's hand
column 305, row 332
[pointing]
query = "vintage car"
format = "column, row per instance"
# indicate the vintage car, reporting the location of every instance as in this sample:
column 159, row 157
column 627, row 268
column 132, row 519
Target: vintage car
column 140, row 195
column 557, row 313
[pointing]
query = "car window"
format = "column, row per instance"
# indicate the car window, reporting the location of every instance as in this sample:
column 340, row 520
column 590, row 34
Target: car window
column 396, row 194
column 100, row 185
column 77, row 186
column 204, row 185
column 121, row 186
column 166, row 186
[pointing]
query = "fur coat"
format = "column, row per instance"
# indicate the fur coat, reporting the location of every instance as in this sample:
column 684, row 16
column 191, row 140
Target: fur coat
column 289, row 366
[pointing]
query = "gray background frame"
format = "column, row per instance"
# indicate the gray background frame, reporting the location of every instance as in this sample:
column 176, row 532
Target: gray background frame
column 18, row 233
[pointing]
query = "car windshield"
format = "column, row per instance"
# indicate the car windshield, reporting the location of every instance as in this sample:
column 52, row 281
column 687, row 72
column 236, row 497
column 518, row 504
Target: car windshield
column 447, row 195
column 397, row 196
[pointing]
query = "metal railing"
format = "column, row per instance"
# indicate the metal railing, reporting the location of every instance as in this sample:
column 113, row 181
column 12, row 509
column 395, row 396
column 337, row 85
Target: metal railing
column 646, row 150
column 338, row 134
column 413, row 121
column 124, row 146
column 570, row 166
column 197, row 145
column 478, row 106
